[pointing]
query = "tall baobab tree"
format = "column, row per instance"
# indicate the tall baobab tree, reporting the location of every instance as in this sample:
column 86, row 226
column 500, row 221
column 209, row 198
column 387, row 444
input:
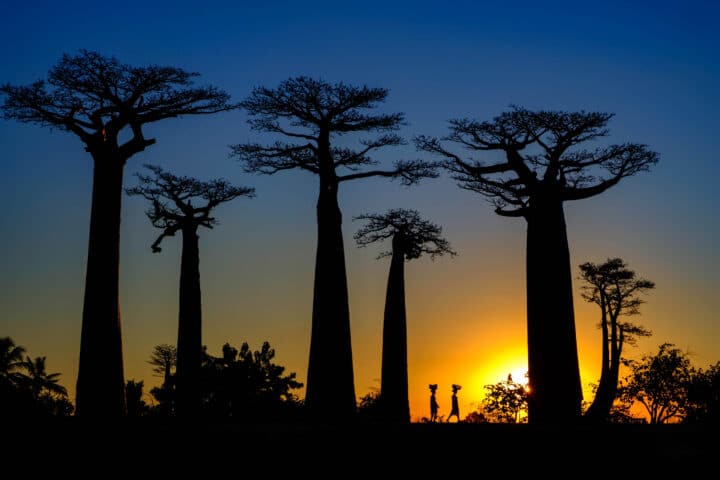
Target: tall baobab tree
column 614, row 288
column 185, row 204
column 310, row 114
column 106, row 104
column 411, row 237
column 535, row 165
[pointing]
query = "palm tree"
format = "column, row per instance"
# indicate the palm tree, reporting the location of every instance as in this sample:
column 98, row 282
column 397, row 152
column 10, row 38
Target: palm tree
column 411, row 237
column 11, row 359
column 107, row 105
column 39, row 380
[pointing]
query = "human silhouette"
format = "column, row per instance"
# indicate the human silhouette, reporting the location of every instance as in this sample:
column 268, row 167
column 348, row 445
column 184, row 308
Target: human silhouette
column 433, row 403
column 455, row 411
column 519, row 185
column 318, row 112
column 412, row 236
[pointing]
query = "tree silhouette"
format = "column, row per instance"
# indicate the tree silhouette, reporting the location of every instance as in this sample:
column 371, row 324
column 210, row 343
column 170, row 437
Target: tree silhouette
column 660, row 384
column 539, row 168
column 26, row 389
column 310, row 114
column 39, row 380
column 172, row 210
column 615, row 289
column 11, row 360
column 106, row 104
column 411, row 237
column 136, row 406
column 704, row 396
column 164, row 360
column 505, row 401
column 13, row 396
column 247, row 385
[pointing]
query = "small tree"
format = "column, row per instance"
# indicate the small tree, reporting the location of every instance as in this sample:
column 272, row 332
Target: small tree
column 106, row 104
column 540, row 166
column 411, row 237
column 40, row 381
column 11, row 360
column 660, row 384
column 615, row 289
column 506, row 401
column 704, row 396
column 247, row 385
column 135, row 403
column 310, row 115
column 164, row 359
column 172, row 199
column 47, row 395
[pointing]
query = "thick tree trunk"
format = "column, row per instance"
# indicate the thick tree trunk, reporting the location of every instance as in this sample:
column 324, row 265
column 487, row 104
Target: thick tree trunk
column 555, row 390
column 101, row 383
column 394, row 378
column 189, row 346
column 330, row 394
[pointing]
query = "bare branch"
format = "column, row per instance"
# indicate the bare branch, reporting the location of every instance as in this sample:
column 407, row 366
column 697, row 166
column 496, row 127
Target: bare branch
column 350, row 158
column 558, row 171
column 318, row 111
column 95, row 97
column 272, row 159
column 409, row 172
column 176, row 199
column 412, row 235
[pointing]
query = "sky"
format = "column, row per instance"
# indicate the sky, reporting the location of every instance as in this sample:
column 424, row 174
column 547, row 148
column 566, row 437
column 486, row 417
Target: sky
column 651, row 63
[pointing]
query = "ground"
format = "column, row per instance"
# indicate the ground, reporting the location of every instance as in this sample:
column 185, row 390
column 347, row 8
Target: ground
column 369, row 450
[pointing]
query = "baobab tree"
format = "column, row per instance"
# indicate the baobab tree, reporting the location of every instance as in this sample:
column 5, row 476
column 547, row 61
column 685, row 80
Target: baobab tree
column 106, row 103
column 411, row 237
column 164, row 360
column 616, row 290
column 309, row 115
column 535, row 165
column 185, row 204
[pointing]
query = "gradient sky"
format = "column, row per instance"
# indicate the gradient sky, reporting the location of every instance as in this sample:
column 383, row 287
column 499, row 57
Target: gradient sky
column 654, row 64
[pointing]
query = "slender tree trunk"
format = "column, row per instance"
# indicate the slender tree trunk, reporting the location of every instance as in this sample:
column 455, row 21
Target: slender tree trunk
column 330, row 393
column 189, row 345
column 599, row 411
column 555, row 390
column 101, row 383
column 614, row 373
column 394, row 377
column 167, row 377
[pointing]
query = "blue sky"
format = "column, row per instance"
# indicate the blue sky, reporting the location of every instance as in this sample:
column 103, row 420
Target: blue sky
column 654, row 64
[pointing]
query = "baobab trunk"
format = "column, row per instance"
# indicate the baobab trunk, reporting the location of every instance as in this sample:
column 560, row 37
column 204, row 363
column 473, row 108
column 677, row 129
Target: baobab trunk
column 394, row 378
column 189, row 345
column 101, row 382
column 599, row 409
column 554, row 373
column 330, row 391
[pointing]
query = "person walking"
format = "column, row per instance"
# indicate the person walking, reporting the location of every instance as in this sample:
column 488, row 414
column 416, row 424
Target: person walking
column 433, row 403
column 455, row 410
